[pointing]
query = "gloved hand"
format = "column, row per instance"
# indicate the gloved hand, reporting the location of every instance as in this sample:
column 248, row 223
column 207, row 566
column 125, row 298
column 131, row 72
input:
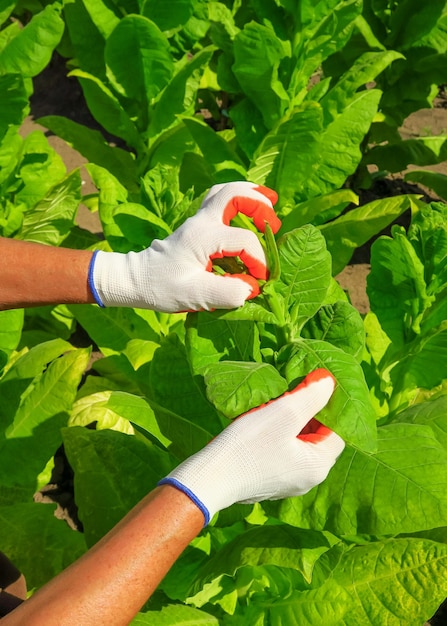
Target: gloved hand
column 275, row 451
column 174, row 274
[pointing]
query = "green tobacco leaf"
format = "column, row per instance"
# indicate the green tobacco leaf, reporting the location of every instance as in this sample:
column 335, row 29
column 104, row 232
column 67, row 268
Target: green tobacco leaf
column 433, row 180
column 14, row 104
column 132, row 226
column 180, row 95
column 410, row 22
column 211, row 337
column 6, row 8
column 102, row 16
column 11, row 324
column 356, row 227
column 40, row 168
column 398, row 489
column 340, row 143
column 281, row 545
column 184, row 437
column 10, row 152
column 30, row 531
column 100, row 460
column 107, row 109
column 52, row 395
column 235, row 387
column 305, row 273
column 339, row 324
column 29, row 366
column 325, row 605
column 120, row 375
column 51, row 219
column 323, row 28
column 428, row 235
column 313, row 210
column 168, row 14
column 432, row 413
column 30, row 51
column 114, row 410
column 390, row 582
column 33, row 436
column 349, row 412
column 176, row 389
column 257, row 56
column 396, row 157
column 396, row 288
column 137, row 38
column 86, row 36
column 363, row 71
column 421, row 365
column 177, row 614
column 280, row 161
column 222, row 160
column 112, row 328
column 92, row 145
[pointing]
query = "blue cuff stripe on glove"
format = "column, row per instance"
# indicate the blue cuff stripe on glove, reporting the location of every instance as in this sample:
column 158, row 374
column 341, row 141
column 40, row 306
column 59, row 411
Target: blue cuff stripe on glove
column 175, row 483
column 91, row 283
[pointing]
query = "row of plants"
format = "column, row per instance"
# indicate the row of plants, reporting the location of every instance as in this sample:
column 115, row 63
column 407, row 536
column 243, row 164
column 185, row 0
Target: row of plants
column 307, row 98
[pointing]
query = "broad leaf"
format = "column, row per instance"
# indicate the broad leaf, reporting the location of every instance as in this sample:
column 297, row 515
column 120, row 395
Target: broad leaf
column 339, row 324
column 100, row 459
column 391, row 581
column 11, row 324
column 28, row 367
column 356, row 227
column 349, row 412
column 177, row 389
column 107, row 109
column 235, row 387
column 53, row 217
column 280, row 161
column 31, row 530
column 92, row 145
column 305, row 273
column 362, row 72
column 168, row 15
column 224, row 162
column 136, row 37
column 112, row 328
column 400, row 488
column 177, row 614
column 396, row 287
column 30, row 51
column 433, row 180
column 315, row 209
column 396, row 157
column 211, row 337
column 34, row 435
column 180, row 95
column 257, row 57
column 422, row 365
column 40, row 168
column 13, row 102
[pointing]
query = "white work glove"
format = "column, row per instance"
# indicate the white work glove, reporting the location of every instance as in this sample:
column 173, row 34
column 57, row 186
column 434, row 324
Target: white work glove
column 174, row 274
column 275, row 451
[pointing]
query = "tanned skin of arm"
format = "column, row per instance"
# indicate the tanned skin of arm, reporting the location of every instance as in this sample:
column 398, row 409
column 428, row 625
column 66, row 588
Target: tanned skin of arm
column 109, row 584
column 33, row 274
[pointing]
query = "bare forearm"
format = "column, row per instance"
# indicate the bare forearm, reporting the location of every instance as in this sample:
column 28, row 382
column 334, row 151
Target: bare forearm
column 33, row 274
column 110, row 583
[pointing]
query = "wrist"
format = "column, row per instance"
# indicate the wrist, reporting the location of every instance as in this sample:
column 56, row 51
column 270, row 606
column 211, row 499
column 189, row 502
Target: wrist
column 115, row 279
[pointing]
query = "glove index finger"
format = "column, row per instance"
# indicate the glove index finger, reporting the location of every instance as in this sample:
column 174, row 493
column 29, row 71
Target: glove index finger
column 309, row 398
column 257, row 209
